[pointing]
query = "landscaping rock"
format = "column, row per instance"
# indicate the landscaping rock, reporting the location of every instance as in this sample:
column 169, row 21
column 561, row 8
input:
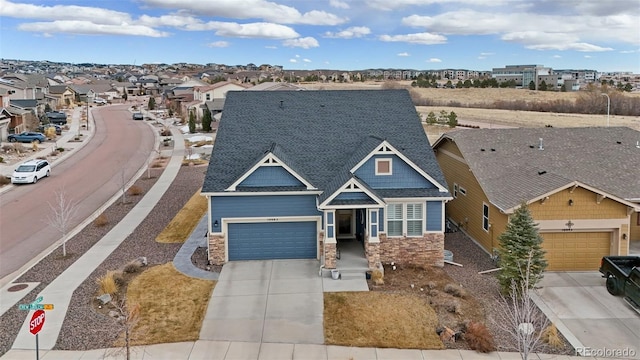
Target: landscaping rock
column 142, row 260
column 104, row 299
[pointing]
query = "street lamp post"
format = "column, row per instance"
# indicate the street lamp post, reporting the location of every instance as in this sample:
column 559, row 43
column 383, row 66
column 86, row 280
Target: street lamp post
column 608, row 106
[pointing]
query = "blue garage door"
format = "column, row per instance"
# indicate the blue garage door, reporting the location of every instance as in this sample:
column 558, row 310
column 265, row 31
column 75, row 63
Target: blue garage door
column 273, row 240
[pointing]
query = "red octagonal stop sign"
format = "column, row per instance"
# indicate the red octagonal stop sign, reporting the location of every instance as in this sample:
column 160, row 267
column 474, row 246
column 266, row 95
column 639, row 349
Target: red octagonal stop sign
column 37, row 320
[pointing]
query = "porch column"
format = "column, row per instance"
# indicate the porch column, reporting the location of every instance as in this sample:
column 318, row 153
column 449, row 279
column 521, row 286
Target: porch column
column 372, row 242
column 330, row 239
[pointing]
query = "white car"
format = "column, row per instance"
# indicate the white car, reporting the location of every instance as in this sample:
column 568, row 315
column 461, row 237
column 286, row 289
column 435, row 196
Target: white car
column 31, row 171
column 100, row 101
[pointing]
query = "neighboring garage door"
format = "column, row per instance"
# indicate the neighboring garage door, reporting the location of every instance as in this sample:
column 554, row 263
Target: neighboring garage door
column 273, row 240
column 575, row 251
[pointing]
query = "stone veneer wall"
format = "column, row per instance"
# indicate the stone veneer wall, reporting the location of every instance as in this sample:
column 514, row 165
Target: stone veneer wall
column 372, row 252
column 217, row 250
column 427, row 250
column 330, row 256
column 320, row 244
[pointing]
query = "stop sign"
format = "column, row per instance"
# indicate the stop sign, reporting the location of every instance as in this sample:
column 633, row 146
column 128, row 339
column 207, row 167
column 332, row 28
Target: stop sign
column 37, row 320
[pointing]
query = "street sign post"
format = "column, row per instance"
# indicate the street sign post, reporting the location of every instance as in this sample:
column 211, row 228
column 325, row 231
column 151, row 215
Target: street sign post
column 35, row 325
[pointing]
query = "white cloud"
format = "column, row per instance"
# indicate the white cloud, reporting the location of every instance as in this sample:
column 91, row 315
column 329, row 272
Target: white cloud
column 89, row 28
column 63, row 12
column 420, row 38
column 293, row 60
column 486, row 53
column 629, row 51
column 395, row 4
column 250, row 9
column 297, row 56
column 251, row 30
column 270, row 47
column 434, row 60
column 218, row 44
column 539, row 40
column 306, row 60
column 349, row 33
column 587, row 56
column 338, row 4
column 305, row 43
column 557, row 56
column 403, row 54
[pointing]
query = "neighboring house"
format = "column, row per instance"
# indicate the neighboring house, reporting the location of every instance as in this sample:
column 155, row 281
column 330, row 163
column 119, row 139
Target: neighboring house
column 582, row 186
column 64, row 95
column 294, row 174
column 275, row 86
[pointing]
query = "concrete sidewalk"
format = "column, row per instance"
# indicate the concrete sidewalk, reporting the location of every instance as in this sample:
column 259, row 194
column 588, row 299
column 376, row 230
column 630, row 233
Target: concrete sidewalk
column 59, row 291
column 225, row 350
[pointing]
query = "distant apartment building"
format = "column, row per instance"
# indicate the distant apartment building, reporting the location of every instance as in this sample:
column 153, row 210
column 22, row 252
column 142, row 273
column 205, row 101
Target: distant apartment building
column 523, row 75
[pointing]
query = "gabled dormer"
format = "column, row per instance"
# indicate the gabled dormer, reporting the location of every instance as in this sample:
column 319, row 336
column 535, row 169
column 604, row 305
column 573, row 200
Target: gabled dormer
column 270, row 171
column 352, row 194
column 388, row 168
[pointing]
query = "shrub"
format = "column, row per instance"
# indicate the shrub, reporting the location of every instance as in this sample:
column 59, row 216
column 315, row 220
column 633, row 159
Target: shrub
column 479, row 338
column 60, row 149
column 156, row 164
column 377, row 277
column 1, row 159
column 455, row 290
column 551, row 336
column 454, row 307
column 118, row 278
column 4, row 180
column 101, row 220
column 132, row 266
column 431, row 285
column 107, row 283
column 135, row 190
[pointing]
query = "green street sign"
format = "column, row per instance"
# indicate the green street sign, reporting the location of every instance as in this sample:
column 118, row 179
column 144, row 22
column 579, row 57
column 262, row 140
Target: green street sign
column 31, row 306
column 38, row 300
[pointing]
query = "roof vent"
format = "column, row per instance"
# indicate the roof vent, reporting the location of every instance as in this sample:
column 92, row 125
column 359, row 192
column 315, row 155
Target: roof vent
column 281, row 104
column 481, row 149
column 531, row 146
column 492, row 149
column 618, row 142
column 542, row 172
column 541, row 145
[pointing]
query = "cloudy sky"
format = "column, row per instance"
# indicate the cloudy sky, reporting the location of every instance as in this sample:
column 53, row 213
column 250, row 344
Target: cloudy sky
column 603, row 35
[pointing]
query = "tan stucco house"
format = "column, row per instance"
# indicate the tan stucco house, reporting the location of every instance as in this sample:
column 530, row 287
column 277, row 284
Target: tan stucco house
column 582, row 186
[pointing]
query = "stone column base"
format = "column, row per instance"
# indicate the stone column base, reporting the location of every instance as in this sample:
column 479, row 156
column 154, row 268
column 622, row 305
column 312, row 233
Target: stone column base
column 217, row 250
column 330, row 255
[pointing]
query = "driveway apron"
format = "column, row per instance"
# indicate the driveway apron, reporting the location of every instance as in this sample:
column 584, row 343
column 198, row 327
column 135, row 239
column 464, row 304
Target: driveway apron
column 578, row 302
column 278, row 301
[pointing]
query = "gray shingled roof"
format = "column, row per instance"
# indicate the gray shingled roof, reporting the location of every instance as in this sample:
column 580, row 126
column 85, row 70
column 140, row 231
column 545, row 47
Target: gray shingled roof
column 516, row 170
column 322, row 133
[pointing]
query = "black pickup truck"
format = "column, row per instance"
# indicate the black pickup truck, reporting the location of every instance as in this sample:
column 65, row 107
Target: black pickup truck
column 623, row 277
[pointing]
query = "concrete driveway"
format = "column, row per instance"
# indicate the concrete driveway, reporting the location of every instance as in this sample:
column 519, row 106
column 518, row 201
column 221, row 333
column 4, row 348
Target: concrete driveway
column 278, row 301
column 589, row 317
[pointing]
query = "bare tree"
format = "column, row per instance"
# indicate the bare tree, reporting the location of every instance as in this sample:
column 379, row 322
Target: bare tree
column 127, row 317
column 520, row 317
column 63, row 211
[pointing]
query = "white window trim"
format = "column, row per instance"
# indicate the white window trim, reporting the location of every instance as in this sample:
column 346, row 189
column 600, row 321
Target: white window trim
column 390, row 160
column 404, row 219
column 455, row 190
column 483, row 217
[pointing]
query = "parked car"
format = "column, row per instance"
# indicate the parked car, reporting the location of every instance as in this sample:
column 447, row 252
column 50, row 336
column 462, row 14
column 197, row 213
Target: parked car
column 138, row 116
column 623, row 277
column 100, row 101
column 44, row 127
column 27, row 137
column 57, row 117
column 31, row 171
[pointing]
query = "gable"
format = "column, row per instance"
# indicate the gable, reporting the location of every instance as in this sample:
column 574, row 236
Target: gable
column 271, row 176
column 402, row 174
column 350, row 195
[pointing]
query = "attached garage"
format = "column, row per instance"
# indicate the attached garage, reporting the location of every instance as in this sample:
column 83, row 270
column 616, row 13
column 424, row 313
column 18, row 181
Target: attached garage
column 272, row 240
column 576, row 251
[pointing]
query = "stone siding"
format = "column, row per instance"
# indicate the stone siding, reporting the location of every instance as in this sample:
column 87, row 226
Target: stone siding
column 419, row 251
column 372, row 251
column 330, row 255
column 217, row 250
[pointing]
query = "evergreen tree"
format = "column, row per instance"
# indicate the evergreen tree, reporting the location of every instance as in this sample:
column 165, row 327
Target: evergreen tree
column 206, row 120
column 517, row 242
column 125, row 96
column 453, row 120
column 532, row 85
column 192, row 122
column 431, row 118
column 152, row 103
column 543, row 86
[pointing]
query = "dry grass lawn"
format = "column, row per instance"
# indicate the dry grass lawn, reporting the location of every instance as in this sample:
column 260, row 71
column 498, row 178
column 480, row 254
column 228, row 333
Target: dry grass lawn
column 376, row 319
column 181, row 226
column 172, row 305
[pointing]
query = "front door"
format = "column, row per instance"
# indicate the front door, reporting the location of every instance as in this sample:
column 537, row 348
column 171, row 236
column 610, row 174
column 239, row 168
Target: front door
column 346, row 224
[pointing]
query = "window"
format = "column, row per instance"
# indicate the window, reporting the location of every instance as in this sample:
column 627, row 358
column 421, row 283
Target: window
column 455, row 190
column 485, row 217
column 208, row 97
column 405, row 219
column 414, row 220
column 383, row 167
column 462, row 191
column 394, row 220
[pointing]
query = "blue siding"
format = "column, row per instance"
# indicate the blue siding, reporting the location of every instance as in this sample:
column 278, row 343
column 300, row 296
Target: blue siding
column 262, row 206
column 272, row 240
column 352, row 196
column 434, row 215
column 403, row 175
column 270, row 176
